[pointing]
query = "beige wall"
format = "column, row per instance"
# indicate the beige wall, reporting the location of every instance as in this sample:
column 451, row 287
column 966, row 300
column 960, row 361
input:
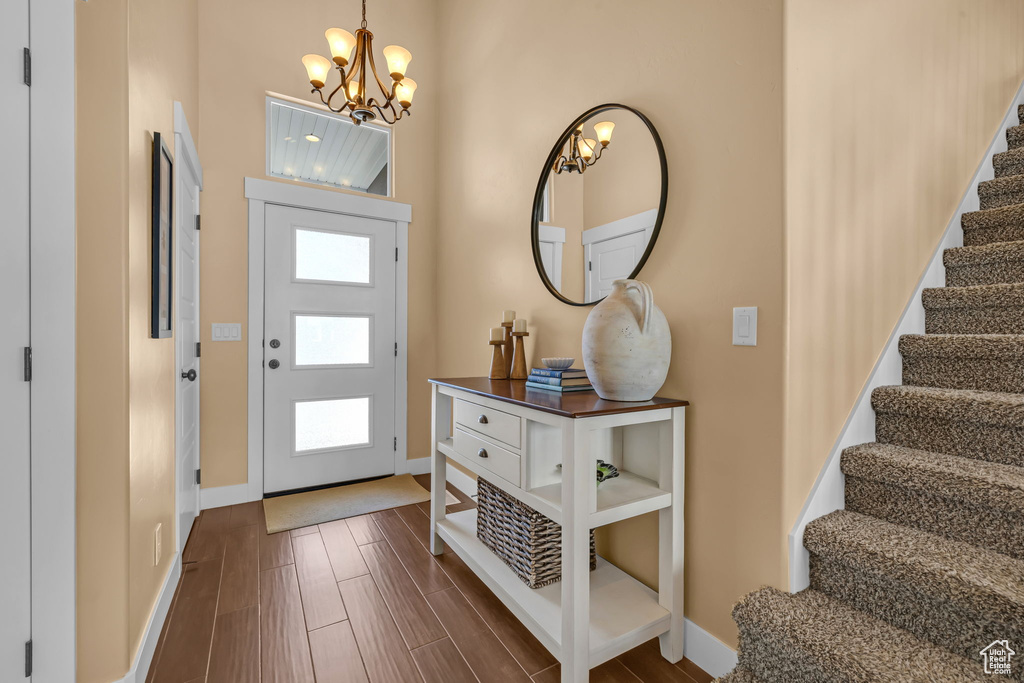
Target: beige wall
column 249, row 47
column 709, row 75
column 102, row 496
column 889, row 108
column 135, row 58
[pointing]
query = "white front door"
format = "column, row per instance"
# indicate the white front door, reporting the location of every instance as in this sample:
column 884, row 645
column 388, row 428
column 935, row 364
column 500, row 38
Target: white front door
column 15, row 456
column 186, row 192
column 329, row 348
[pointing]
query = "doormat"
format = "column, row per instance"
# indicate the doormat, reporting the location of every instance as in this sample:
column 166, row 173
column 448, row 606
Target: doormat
column 326, row 505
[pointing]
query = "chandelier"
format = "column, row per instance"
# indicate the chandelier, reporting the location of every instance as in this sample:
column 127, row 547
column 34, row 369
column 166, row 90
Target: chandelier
column 353, row 83
column 582, row 152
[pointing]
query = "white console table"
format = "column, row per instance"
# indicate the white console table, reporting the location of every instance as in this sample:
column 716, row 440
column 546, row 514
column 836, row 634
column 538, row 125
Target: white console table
column 515, row 438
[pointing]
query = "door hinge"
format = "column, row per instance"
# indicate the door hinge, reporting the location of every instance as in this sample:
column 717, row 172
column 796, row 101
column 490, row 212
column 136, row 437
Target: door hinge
column 199, row 477
column 590, row 265
column 396, row 254
column 396, row 349
column 28, row 363
column 28, row 659
column 198, row 222
column 199, row 349
column 28, row 66
column 396, row 444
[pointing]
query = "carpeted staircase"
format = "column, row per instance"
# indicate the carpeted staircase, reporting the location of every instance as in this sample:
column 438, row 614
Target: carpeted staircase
column 925, row 566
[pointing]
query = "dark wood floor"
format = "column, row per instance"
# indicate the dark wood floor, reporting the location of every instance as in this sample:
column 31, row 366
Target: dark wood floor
column 353, row 600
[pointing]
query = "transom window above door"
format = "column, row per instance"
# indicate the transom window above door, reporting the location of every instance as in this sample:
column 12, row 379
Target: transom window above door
column 316, row 146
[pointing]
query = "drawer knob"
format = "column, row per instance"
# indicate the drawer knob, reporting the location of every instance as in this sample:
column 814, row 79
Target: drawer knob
column 482, row 453
column 482, row 419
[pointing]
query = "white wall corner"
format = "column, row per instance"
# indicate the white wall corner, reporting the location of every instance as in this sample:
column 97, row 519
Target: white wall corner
column 827, row 494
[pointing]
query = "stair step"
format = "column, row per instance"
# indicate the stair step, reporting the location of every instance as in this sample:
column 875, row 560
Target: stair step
column 810, row 637
column 999, row 192
column 983, row 362
column 1005, row 224
column 969, row 500
column 1008, row 163
column 980, row 309
column 983, row 425
column 988, row 264
column 738, row 675
column 1015, row 137
column 947, row 592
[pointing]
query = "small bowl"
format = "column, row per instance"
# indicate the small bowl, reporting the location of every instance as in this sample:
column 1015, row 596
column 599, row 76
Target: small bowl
column 558, row 363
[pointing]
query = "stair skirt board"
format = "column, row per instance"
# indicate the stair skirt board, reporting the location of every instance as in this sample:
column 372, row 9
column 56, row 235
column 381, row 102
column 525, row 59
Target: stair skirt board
column 923, row 570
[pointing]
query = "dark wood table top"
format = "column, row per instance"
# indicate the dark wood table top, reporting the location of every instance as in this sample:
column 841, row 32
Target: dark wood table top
column 573, row 404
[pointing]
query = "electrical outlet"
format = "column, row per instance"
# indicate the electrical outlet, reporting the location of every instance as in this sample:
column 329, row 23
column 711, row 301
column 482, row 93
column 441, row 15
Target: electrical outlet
column 157, row 546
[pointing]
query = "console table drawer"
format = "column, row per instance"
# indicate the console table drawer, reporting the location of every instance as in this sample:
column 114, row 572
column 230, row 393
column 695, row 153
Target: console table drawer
column 503, row 463
column 493, row 423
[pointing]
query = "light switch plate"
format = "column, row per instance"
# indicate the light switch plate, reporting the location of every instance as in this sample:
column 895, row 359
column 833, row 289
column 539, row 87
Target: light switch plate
column 226, row 332
column 744, row 326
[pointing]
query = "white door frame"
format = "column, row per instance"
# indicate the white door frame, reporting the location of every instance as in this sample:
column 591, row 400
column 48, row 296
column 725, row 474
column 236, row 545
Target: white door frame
column 184, row 153
column 52, row 39
column 261, row 192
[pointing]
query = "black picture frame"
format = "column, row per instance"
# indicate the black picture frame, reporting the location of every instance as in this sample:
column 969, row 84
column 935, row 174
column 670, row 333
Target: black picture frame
column 161, row 307
column 538, row 196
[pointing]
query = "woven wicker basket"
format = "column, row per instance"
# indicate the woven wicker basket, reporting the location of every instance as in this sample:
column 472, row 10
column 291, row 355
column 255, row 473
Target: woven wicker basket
column 527, row 541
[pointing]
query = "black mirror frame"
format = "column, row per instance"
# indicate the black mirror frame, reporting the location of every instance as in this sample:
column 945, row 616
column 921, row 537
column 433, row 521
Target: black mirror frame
column 538, row 197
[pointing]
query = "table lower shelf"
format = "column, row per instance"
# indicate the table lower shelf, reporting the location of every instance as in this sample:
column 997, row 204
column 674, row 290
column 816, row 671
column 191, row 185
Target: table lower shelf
column 623, row 612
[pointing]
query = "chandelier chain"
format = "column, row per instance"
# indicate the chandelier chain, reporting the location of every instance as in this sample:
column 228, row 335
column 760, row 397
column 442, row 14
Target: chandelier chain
column 364, row 14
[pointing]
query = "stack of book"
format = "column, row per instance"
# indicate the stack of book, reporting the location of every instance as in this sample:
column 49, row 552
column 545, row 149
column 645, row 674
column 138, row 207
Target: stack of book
column 573, row 379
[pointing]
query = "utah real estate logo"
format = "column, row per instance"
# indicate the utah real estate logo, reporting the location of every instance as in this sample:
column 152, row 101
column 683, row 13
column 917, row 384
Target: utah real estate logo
column 997, row 657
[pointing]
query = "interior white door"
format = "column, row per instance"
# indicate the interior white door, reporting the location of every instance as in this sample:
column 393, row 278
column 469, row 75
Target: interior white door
column 329, row 348
column 15, row 532
column 186, row 192
column 609, row 260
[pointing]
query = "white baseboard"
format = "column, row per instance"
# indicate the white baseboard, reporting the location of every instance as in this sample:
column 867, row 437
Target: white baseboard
column 220, row 496
column 828, row 492
column 706, row 651
column 144, row 656
column 417, row 466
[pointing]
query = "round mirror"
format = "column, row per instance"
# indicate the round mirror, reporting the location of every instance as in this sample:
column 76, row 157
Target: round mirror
column 599, row 203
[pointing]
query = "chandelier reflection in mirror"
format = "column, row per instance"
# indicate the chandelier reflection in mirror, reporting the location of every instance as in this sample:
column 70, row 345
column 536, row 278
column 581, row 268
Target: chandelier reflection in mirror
column 582, row 152
column 353, row 83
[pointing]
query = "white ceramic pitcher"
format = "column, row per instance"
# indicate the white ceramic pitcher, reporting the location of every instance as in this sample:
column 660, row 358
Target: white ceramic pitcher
column 627, row 346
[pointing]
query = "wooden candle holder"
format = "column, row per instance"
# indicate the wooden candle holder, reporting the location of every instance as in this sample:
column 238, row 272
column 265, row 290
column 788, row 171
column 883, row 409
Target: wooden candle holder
column 519, row 357
column 507, row 348
column 498, row 361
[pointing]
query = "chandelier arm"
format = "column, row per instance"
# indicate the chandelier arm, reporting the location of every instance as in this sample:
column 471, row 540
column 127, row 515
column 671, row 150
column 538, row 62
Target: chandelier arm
column 388, row 94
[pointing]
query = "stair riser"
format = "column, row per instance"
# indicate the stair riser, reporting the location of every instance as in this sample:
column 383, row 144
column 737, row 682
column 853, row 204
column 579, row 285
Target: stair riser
column 1001, row 233
column 964, row 439
column 981, row 374
column 1008, row 166
column 962, row 629
column 773, row 658
column 993, row 199
column 1004, row 272
column 1006, row 320
column 1014, row 137
column 959, row 520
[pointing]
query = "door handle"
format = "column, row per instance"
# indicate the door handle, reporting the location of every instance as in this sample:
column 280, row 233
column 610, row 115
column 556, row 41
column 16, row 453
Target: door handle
column 190, row 375
column 274, row 364
column 482, row 419
column 482, row 453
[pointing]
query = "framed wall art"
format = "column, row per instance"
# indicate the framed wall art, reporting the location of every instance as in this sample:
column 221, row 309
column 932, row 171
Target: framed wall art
column 163, row 231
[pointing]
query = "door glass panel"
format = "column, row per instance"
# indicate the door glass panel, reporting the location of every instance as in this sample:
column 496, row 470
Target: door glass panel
column 332, row 256
column 335, row 423
column 332, row 340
